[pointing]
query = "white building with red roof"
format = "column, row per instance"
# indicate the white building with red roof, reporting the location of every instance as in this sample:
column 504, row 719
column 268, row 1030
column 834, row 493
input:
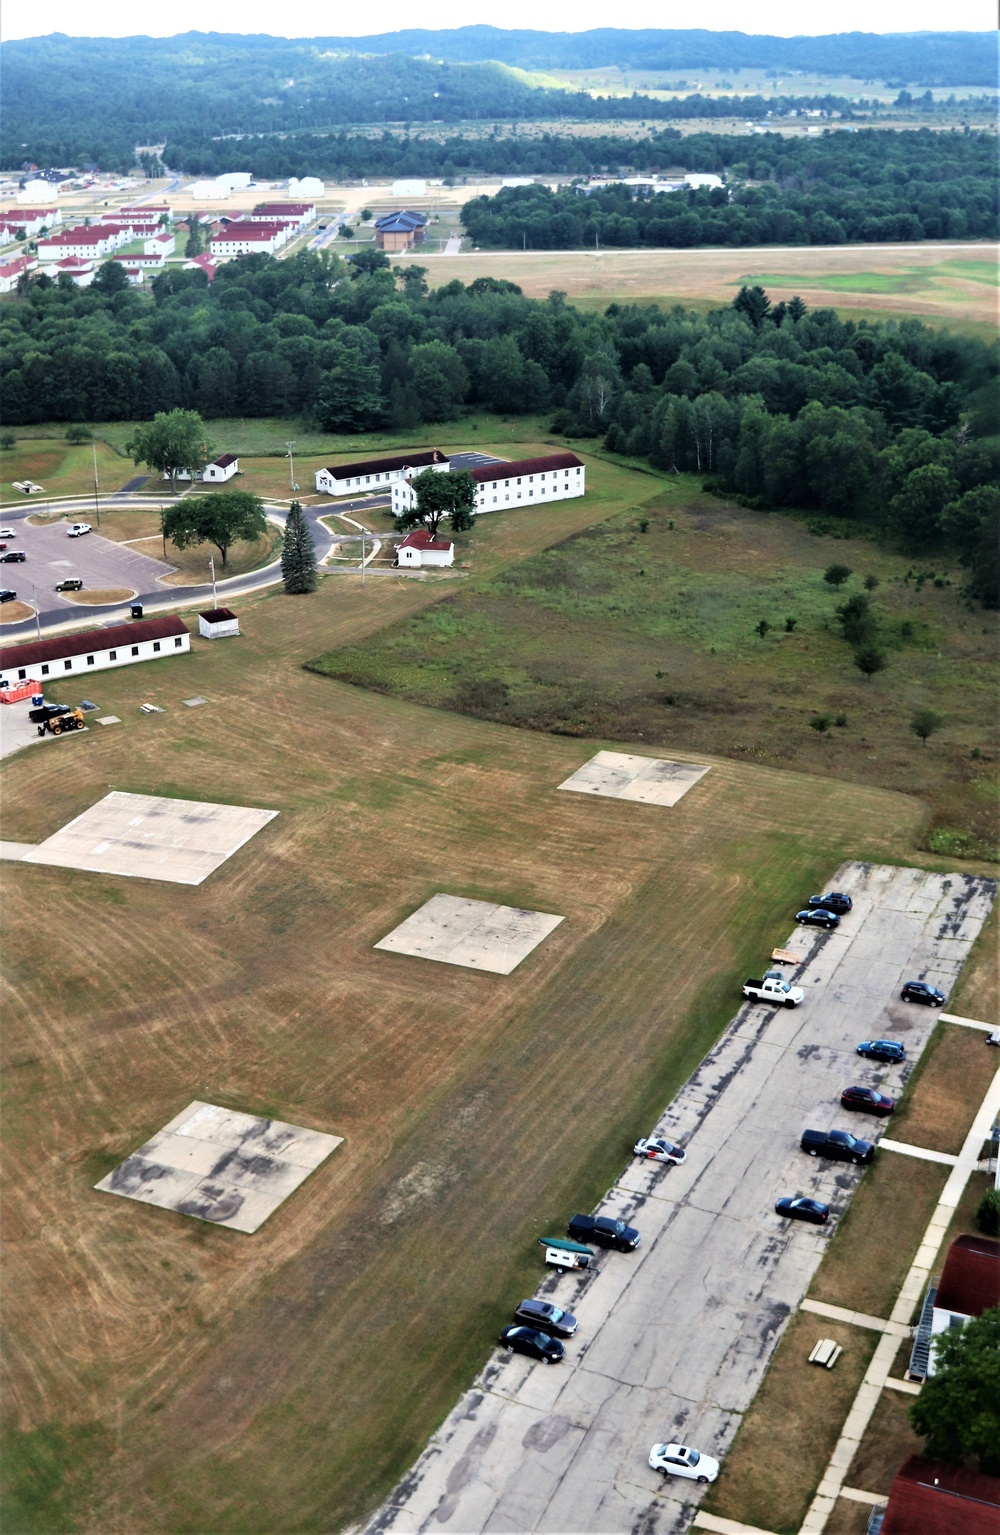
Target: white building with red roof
column 31, row 220
column 13, row 270
column 418, row 549
column 244, row 238
column 148, row 639
column 524, row 482
column 91, row 241
column 82, row 270
column 299, row 213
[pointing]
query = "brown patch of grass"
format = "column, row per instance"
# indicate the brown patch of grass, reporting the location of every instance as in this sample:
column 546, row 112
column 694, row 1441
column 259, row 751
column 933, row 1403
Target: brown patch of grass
column 788, row 1433
column 15, row 612
column 100, row 595
column 946, row 1090
column 963, row 1222
column 876, row 1240
column 124, row 526
column 192, row 563
column 848, row 1518
column 313, row 1360
column 977, row 994
column 888, row 1440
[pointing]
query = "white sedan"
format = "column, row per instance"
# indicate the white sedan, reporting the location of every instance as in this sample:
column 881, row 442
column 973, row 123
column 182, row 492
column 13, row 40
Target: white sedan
column 679, row 1460
column 657, row 1149
column 77, row 529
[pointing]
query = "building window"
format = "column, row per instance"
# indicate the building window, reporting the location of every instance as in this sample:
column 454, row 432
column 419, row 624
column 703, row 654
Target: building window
column 506, row 484
column 112, row 655
column 135, row 650
column 156, row 644
column 368, row 479
column 519, row 482
column 90, row 660
column 178, row 641
column 22, row 674
column 45, row 670
column 67, row 666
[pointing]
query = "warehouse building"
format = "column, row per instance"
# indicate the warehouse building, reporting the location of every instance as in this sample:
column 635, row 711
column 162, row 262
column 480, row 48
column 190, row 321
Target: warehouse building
column 67, row 655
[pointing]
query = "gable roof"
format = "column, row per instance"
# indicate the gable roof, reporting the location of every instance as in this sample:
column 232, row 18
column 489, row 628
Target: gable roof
column 418, row 460
column 521, row 466
column 421, row 539
column 66, row 645
column 930, row 1498
column 223, row 461
column 970, row 1280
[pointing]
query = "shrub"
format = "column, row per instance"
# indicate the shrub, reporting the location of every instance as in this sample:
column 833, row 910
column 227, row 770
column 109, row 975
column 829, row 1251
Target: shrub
column 988, row 1213
column 836, row 575
column 820, row 723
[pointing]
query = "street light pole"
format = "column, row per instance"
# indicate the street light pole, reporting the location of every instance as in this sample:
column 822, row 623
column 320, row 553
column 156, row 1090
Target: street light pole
column 211, row 566
column 97, row 504
column 291, row 464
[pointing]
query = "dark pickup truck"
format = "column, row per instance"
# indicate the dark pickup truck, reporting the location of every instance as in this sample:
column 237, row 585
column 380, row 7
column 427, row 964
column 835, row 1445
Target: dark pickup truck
column 45, row 712
column 838, row 1145
column 604, row 1232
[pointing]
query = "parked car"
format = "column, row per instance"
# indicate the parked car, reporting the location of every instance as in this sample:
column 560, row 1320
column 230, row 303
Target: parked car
column 922, row 991
column 680, row 1460
column 71, row 584
column 13, row 557
column 802, row 1209
column 838, row 1145
column 604, row 1231
column 836, row 902
column 537, row 1345
column 865, row 1100
column 43, row 712
column 8, row 532
column 78, row 529
column 546, row 1318
column 817, row 916
column 882, row 1050
column 6, row 595
column 993, row 1037
column 657, row 1149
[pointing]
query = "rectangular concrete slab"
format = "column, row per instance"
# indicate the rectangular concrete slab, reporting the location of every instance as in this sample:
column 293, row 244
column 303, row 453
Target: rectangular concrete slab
column 650, row 780
column 143, row 836
column 222, row 1166
column 476, row 934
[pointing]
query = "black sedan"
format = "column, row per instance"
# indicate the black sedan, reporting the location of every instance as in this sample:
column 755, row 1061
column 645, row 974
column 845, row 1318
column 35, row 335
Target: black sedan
column 801, row 1209
column 882, row 1050
column 547, row 1318
column 836, row 901
column 817, row 916
column 865, row 1100
column 13, row 557
column 537, row 1345
column 918, row 991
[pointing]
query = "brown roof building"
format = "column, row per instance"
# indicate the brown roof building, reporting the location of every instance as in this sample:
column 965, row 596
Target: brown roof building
column 930, row 1498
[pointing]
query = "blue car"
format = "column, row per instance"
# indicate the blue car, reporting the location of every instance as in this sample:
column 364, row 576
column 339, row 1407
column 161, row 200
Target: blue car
column 882, row 1050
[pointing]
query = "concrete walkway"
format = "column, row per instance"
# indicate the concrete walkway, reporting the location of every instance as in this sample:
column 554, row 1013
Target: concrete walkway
column 922, row 1153
column 853, row 1318
column 968, row 1023
column 914, row 1285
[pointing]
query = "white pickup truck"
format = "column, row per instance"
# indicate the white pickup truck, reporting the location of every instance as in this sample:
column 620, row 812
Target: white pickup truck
column 777, row 992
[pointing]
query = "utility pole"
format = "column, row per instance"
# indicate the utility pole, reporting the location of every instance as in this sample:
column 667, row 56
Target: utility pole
column 97, row 504
column 362, row 554
column 34, row 600
column 291, row 463
column 211, row 566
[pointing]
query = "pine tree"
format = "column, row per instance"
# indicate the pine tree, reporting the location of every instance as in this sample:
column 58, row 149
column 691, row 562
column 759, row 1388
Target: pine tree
column 298, row 554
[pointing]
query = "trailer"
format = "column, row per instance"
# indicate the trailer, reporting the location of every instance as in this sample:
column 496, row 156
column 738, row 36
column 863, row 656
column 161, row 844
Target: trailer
column 563, row 1254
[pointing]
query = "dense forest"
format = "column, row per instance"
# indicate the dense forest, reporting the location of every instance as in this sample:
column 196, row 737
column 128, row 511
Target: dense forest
column 773, row 404
column 840, row 187
column 198, row 88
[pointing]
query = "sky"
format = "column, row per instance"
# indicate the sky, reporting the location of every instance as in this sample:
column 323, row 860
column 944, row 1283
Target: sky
column 312, row 18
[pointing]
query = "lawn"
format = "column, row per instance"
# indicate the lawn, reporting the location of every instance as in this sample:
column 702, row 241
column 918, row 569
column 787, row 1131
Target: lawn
column 61, row 468
column 651, row 636
column 946, row 1090
column 285, row 1381
column 877, row 1240
column 977, row 994
column 801, row 1409
column 888, row 1440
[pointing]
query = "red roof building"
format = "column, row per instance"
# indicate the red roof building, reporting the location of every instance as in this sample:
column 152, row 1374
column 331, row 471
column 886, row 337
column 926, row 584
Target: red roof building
column 419, row 548
column 930, row 1498
column 549, row 462
column 970, row 1280
column 117, row 645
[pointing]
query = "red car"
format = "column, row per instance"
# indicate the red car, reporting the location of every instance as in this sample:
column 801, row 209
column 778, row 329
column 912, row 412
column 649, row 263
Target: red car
column 867, row 1101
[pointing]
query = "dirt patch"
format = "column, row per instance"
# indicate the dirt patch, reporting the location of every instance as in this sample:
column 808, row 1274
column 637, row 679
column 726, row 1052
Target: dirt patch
column 15, row 612
column 800, row 1407
column 101, row 596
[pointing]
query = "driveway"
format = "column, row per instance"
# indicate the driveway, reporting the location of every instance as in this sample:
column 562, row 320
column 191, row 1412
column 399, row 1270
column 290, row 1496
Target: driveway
column 675, row 1338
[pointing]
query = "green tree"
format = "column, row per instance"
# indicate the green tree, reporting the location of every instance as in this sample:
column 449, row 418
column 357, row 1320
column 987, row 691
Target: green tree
column 439, row 378
column 856, row 619
column 220, row 519
column 753, row 303
column 298, row 553
column 869, row 659
column 440, row 496
column 78, row 434
column 350, row 392
column 173, row 441
column 958, row 1409
column 110, row 278
column 836, row 575
column 988, row 1213
column 916, row 512
column 973, row 523
column 924, row 723
column 194, row 244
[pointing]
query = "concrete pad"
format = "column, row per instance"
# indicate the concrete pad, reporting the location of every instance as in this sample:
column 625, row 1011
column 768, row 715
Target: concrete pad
column 108, row 719
column 229, row 1168
column 143, row 836
column 16, row 851
column 193, row 703
column 620, row 775
column 476, row 934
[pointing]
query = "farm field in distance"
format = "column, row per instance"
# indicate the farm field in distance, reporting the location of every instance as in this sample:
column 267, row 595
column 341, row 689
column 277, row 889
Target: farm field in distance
column 178, row 1375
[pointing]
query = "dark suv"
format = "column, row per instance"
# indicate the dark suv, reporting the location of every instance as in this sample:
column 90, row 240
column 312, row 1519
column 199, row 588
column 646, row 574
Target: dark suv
column 603, row 1231
column 547, row 1318
column 922, row 991
column 836, row 901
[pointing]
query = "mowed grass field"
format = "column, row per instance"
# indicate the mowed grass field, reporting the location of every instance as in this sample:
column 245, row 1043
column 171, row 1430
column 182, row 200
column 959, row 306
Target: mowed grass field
column 934, row 281
column 60, row 467
column 164, row 1375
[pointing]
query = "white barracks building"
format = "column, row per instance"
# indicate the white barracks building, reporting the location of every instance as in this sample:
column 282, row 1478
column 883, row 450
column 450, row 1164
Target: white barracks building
column 555, row 477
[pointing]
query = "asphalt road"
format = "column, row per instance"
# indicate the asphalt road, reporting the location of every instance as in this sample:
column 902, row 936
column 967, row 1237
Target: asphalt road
column 103, row 564
column 675, row 1338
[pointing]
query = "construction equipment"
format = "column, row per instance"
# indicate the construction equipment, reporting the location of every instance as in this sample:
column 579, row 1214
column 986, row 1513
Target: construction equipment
column 56, row 724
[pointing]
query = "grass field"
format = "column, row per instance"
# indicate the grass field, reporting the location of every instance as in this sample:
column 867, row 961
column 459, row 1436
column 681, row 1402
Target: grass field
column 164, row 1375
column 944, row 283
column 60, row 467
column 954, row 1073
column 652, row 637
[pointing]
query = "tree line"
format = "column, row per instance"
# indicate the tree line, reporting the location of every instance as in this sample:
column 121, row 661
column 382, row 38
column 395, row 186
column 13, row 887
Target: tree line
column 886, row 423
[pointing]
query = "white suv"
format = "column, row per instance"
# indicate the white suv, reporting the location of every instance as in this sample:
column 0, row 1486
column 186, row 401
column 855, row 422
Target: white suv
column 77, row 529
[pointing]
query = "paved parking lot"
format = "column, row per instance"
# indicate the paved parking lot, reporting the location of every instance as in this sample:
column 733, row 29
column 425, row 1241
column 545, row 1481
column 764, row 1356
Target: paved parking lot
column 675, row 1339
column 52, row 556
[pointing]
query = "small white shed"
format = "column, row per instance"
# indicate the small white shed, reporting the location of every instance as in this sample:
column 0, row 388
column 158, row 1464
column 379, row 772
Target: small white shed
column 221, row 468
column 218, row 623
column 419, row 549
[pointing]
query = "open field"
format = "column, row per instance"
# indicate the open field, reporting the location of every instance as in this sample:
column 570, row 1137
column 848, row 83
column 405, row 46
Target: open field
column 801, row 1409
column 947, row 1088
column 956, row 283
column 652, row 637
column 165, row 1375
column 60, row 467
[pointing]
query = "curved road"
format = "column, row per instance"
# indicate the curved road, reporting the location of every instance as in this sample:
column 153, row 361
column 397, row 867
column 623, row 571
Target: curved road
column 157, row 598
